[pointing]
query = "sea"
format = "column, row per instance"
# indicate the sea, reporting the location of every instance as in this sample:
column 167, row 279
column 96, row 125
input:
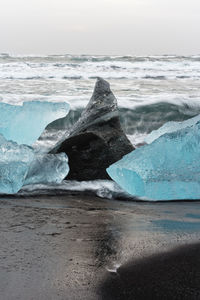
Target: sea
column 150, row 90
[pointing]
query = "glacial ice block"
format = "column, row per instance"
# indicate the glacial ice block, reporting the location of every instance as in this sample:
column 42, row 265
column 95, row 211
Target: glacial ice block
column 166, row 169
column 170, row 127
column 24, row 124
column 47, row 168
column 14, row 164
column 19, row 165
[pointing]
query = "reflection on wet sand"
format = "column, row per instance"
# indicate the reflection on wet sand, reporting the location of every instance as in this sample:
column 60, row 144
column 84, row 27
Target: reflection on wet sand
column 106, row 245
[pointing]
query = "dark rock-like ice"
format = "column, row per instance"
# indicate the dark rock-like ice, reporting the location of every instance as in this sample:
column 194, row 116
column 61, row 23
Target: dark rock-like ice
column 166, row 169
column 96, row 139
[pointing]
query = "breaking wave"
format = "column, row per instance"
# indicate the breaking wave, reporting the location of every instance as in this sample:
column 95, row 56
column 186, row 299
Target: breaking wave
column 141, row 119
column 136, row 122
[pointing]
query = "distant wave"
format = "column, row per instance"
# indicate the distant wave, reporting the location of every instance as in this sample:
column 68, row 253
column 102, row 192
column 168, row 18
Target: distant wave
column 101, row 58
column 89, row 67
column 155, row 77
column 26, row 77
column 72, row 77
column 85, row 76
column 94, row 77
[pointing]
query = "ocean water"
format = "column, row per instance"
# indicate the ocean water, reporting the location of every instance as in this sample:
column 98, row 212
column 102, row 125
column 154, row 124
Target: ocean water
column 150, row 90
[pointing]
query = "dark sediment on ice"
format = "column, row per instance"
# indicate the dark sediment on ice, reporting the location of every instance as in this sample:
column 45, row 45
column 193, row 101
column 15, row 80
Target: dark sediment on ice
column 96, row 139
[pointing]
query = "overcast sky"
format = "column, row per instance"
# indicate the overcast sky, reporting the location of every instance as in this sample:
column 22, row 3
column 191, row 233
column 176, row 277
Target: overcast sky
column 100, row 26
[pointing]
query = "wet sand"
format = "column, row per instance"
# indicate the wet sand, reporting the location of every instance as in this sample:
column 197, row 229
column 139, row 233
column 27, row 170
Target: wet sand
column 84, row 247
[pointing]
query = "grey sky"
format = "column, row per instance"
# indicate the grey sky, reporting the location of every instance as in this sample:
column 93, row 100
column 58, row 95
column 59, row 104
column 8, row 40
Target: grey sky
column 100, row 26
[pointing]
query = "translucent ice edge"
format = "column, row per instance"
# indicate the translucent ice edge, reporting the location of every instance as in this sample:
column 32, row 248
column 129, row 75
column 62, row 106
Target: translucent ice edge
column 170, row 127
column 25, row 123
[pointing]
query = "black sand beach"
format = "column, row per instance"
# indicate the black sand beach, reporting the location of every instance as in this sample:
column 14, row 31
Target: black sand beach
column 84, row 247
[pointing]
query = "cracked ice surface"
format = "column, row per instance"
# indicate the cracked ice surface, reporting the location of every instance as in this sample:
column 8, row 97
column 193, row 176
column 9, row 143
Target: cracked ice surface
column 24, row 124
column 166, row 169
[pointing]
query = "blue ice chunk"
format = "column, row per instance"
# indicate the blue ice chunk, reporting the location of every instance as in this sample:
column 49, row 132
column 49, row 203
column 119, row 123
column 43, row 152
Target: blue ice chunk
column 47, row 169
column 166, row 169
column 14, row 164
column 24, row 124
column 170, row 127
column 20, row 165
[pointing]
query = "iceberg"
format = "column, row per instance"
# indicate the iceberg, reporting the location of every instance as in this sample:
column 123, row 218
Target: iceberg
column 25, row 123
column 47, row 168
column 166, row 169
column 20, row 165
column 170, row 127
column 14, row 164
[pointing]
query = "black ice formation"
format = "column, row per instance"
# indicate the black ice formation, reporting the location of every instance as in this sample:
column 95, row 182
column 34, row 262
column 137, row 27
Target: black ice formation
column 96, row 140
